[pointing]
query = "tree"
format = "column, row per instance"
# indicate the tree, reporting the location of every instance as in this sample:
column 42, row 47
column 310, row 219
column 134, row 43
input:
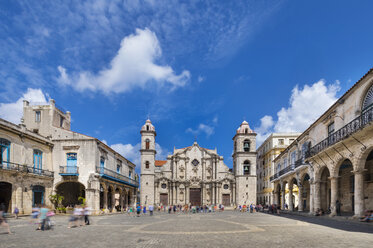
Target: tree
column 56, row 200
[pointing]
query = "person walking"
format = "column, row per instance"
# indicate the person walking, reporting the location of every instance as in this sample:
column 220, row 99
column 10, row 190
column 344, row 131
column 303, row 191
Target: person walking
column 151, row 209
column 138, row 210
column 43, row 217
column 3, row 222
column 87, row 212
column 16, row 212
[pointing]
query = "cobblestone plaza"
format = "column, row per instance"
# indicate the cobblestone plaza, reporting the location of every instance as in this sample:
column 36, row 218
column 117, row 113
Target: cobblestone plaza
column 223, row 229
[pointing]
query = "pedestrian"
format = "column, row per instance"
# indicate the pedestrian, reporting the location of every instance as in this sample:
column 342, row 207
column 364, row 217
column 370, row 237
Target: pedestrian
column 43, row 217
column 138, row 210
column 87, row 212
column 16, row 212
column 3, row 222
column 338, row 207
column 151, row 209
column 144, row 210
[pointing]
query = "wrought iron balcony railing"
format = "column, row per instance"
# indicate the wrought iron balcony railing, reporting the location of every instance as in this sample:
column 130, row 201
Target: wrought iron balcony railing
column 355, row 125
column 113, row 175
column 4, row 165
column 69, row 171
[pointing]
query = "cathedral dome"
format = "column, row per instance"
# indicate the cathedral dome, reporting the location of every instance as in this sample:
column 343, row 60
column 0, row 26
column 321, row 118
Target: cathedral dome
column 244, row 128
column 148, row 126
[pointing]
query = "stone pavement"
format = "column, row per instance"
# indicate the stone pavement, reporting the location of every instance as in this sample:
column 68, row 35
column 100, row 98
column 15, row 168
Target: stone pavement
column 226, row 229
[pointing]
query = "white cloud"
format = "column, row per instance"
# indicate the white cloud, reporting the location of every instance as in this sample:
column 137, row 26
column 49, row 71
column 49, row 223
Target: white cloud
column 202, row 128
column 133, row 66
column 306, row 105
column 132, row 152
column 13, row 111
column 200, row 79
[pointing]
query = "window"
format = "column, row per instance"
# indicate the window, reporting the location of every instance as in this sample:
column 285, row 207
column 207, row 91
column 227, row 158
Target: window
column 71, row 162
column 147, row 165
column 195, row 162
column 330, row 128
column 38, row 159
column 147, row 127
column 280, row 141
column 102, row 164
column 147, row 144
column 278, row 167
column 4, row 150
column 130, row 174
column 61, row 121
column 118, row 168
column 285, row 163
column 293, row 156
column 246, row 145
column 37, row 116
column 235, row 146
column 226, row 186
column 368, row 100
column 246, row 167
column 164, row 185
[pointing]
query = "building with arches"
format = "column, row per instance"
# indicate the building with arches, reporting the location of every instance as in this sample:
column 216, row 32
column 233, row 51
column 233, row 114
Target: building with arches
column 196, row 175
column 43, row 156
column 26, row 170
column 330, row 164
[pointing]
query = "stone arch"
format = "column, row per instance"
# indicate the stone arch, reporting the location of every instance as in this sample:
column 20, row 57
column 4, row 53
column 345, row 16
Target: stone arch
column 6, row 189
column 368, row 91
column 361, row 159
column 71, row 191
column 306, row 191
column 278, row 194
column 323, row 179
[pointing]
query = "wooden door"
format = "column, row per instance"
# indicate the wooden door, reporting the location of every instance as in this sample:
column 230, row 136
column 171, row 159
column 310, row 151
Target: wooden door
column 164, row 199
column 226, row 199
column 195, row 196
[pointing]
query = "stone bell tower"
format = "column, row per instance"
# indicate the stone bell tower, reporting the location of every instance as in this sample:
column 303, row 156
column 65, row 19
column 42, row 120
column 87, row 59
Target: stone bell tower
column 147, row 163
column 244, row 164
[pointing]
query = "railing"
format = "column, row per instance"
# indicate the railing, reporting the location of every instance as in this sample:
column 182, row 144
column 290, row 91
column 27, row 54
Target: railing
column 69, row 170
column 355, row 125
column 115, row 175
column 4, row 165
column 299, row 163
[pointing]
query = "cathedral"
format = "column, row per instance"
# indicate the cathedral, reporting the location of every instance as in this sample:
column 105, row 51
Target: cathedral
column 196, row 175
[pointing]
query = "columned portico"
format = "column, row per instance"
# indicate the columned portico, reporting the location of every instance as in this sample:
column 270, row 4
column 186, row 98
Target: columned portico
column 334, row 195
column 359, row 193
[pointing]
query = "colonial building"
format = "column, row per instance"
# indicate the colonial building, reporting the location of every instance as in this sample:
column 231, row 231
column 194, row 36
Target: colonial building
column 333, row 159
column 266, row 153
column 43, row 156
column 84, row 166
column 26, row 176
column 196, row 175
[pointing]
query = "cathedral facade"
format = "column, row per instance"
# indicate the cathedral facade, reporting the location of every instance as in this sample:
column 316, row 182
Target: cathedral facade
column 196, row 175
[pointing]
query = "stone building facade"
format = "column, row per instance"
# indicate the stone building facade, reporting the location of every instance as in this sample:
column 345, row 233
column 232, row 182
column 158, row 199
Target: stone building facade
column 26, row 176
column 333, row 159
column 266, row 153
column 198, row 176
column 43, row 156
column 84, row 166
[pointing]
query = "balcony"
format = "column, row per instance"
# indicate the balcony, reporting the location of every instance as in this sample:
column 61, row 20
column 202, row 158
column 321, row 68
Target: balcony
column 299, row 163
column 343, row 133
column 69, row 171
column 9, row 166
column 115, row 176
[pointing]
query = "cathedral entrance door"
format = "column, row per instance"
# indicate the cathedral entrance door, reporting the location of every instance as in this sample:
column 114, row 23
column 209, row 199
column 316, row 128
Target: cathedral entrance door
column 164, row 199
column 195, row 196
column 226, row 199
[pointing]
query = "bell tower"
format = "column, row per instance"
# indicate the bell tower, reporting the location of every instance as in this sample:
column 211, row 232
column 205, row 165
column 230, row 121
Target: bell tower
column 244, row 164
column 147, row 163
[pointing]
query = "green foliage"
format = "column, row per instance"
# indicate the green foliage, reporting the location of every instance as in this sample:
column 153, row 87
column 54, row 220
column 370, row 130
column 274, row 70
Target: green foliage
column 82, row 200
column 56, row 200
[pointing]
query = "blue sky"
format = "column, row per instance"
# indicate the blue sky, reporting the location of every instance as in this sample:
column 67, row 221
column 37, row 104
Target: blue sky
column 196, row 68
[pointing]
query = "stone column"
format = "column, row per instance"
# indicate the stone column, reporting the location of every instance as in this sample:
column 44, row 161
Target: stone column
column 300, row 198
column 312, row 195
column 173, row 194
column 219, row 194
column 291, row 205
column 202, row 194
column 283, row 198
column 213, row 193
column 234, row 194
column 317, row 196
column 19, row 199
column 156, row 194
column 334, row 195
column 105, row 198
column 359, row 193
column 187, row 195
column 113, row 201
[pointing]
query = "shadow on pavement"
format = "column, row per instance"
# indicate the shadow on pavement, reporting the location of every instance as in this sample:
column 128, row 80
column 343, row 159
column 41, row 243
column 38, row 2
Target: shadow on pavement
column 345, row 225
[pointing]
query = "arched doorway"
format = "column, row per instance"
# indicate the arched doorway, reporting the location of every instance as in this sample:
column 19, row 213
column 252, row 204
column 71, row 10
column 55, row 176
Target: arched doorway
column 5, row 196
column 295, row 193
column 110, row 198
column 368, row 182
column 71, row 191
column 346, row 187
column 305, row 197
column 286, row 204
column 278, row 195
column 325, row 190
column 38, row 194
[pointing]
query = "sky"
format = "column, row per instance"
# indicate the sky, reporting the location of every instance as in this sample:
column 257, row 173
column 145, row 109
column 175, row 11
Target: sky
column 197, row 69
